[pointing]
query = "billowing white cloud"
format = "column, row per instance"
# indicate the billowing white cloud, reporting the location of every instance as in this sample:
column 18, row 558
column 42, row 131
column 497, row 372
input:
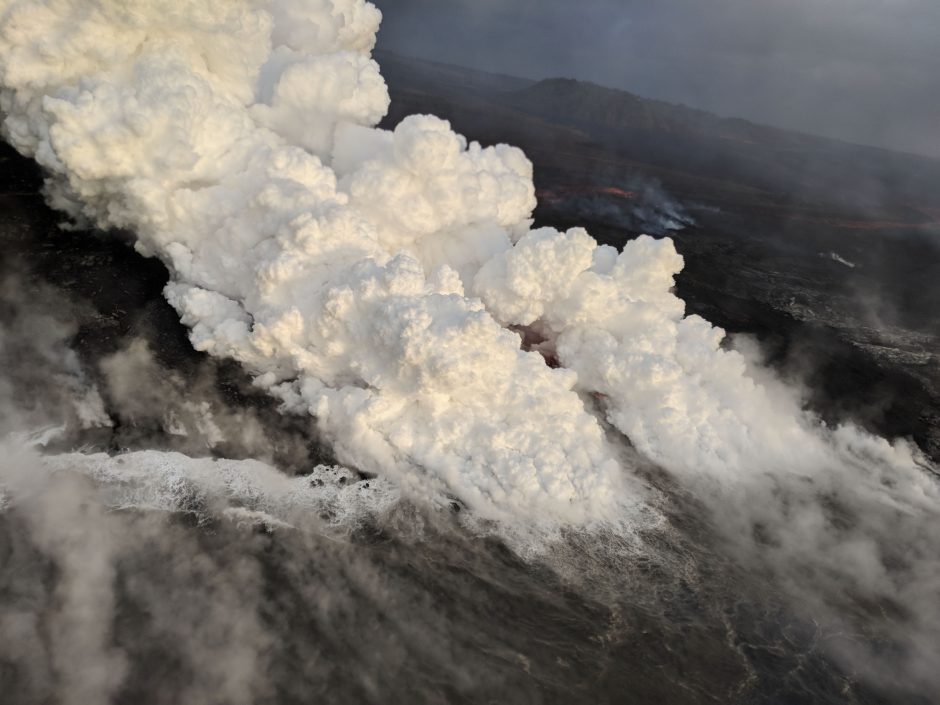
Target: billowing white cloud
column 342, row 264
column 341, row 293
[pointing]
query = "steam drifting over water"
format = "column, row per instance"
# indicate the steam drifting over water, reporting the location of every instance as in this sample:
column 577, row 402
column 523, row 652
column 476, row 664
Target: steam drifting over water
column 383, row 283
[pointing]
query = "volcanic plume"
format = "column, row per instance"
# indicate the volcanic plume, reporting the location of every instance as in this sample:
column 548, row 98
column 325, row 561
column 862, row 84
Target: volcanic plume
column 382, row 283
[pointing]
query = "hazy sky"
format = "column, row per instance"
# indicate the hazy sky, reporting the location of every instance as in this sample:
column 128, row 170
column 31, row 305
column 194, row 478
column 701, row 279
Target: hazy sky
column 861, row 70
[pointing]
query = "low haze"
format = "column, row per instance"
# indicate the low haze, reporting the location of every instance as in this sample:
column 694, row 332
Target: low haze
column 865, row 71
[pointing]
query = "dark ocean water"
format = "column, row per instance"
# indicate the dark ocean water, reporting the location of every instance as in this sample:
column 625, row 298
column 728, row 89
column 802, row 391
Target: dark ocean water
column 414, row 609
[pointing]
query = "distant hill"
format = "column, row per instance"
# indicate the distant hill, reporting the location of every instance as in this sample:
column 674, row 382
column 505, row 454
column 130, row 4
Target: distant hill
column 401, row 70
column 593, row 105
column 590, row 122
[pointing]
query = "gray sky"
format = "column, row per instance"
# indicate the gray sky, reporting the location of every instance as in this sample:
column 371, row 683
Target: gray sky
column 860, row 70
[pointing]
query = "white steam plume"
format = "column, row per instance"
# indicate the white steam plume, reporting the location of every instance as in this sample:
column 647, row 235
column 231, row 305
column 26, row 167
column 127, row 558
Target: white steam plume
column 210, row 129
column 371, row 278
